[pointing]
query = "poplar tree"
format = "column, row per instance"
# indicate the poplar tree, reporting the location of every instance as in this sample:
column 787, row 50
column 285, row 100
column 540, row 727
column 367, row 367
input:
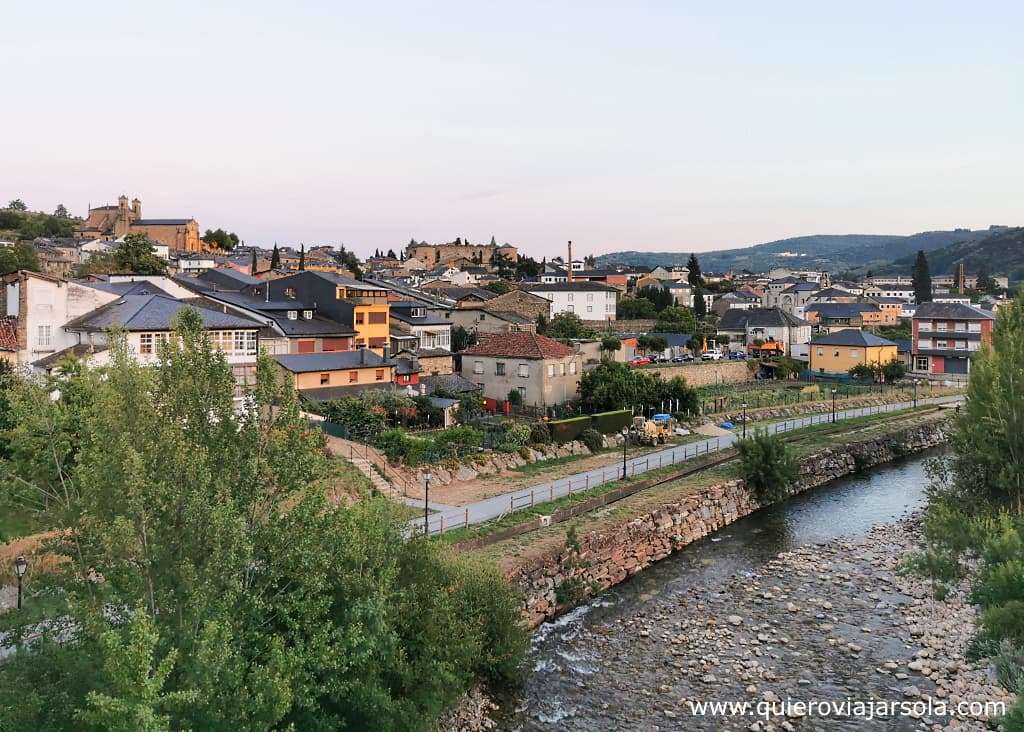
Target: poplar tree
column 921, row 279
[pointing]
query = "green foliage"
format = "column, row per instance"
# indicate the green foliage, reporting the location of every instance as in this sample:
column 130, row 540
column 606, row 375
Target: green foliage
column 676, row 319
column 499, row 287
column 700, row 305
column 462, row 339
column 209, row 581
column 1009, row 666
column 694, row 276
column 609, row 423
column 10, row 219
column 342, row 256
column 369, row 414
column 514, row 397
column 568, row 325
column 1004, row 621
column 224, row 240
column 767, row 466
column 567, row 430
column 593, row 439
column 921, row 279
column 17, row 256
column 540, row 433
column 659, row 297
column 134, row 255
column 611, row 384
column 17, row 205
column 862, row 371
column 515, row 436
column 652, row 343
column 635, row 308
column 275, row 257
column 453, row 443
column 610, row 344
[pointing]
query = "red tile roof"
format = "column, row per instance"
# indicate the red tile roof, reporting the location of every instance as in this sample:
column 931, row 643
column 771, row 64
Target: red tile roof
column 8, row 333
column 519, row 345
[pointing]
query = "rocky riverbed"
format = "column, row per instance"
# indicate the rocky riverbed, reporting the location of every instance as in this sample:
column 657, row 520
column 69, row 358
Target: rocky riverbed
column 826, row 622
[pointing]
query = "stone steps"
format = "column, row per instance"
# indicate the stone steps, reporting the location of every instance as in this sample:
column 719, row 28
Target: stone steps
column 381, row 485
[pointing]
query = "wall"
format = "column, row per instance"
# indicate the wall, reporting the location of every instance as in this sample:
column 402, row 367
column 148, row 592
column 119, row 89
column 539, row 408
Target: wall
column 708, row 373
column 341, row 378
column 540, row 389
column 833, row 359
column 607, row 557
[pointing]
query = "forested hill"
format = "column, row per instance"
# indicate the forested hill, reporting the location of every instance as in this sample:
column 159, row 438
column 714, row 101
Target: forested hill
column 1001, row 253
column 833, row 252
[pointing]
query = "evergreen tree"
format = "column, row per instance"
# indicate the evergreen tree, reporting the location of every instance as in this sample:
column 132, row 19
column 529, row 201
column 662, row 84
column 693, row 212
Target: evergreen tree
column 17, row 205
column 493, row 242
column 302, row 257
column 922, row 279
column 985, row 282
column 391, row 254
column 61, row 212
column 252, row 264
column 694, row 277
column 275, row 258
column 700, row 308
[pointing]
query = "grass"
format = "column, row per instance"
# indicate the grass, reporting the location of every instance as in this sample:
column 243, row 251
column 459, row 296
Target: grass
column 542, row 466
column 821, row 435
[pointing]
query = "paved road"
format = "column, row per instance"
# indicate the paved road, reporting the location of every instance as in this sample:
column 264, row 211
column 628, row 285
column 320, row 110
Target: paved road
column 448, row 517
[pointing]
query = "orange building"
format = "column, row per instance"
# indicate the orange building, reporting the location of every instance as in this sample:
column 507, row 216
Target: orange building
column 113, row 222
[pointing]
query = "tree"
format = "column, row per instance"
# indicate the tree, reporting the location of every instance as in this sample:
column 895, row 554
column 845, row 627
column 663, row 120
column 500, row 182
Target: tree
column 676, row 319
column 349, row 261
column 922, row 280
column 17, row 205
column 10, row 219
column 61, row 212
column 302, row 258
column 614, row 385
column 137, row 256
column 499, row 287
column 253, row 264
column 694, row 276
column 209, row 581
column 767, row 466
column 652, row 343
column 893, row 371
column 462, row 339
column 985, row 282
column 635, row 308
column 17, row 256
column 226, row 241
column 391, row 254
column 659, row 296
column 514, row 397
column 568, row 325
column 700, row 306
column 610, row 344
column 275, row 257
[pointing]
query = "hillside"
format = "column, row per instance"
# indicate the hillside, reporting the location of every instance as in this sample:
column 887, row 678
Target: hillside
column 1002, row 253
column 833, row 252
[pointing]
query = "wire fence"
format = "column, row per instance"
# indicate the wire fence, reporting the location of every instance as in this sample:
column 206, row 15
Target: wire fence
column 527, row 498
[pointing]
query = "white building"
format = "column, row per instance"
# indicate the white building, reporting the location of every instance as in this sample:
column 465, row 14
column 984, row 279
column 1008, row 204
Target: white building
column 589, row 300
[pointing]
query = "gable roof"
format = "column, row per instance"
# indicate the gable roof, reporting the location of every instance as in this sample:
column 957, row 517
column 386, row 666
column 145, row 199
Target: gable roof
column 951, row 311
column 574, row 286
column 226, row 276
column 139, row 287
column 801, row 287
column 738, row 319
column 301, row 363
column 841, row 309
column 851, row 337
column 448, row 382
column 519, row 345
column 152, row 312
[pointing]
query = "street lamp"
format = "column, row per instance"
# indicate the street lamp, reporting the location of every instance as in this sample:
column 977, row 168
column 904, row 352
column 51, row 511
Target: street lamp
column 833, row 405
column 20, row 567
column 744, row 405
column 427, row 477
column 625, row 434
column 915, row 393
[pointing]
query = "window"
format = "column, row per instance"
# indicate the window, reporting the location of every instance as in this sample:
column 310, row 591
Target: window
column 293, row 315
column 961, row 326
column 974, row 327
column 821, row 352
column 146, row 343
column 973, row 346
column 590, row 297
column 924, row 343
column 325, row 379
column 835, row 354
column 924, row 325
column 561, row 369
column 417, row 312
column 478, row 367
column 44, row 335
column 942, row 344
column 921, row 363
column 609, row 308
column 572, row 367
column 307, row 314
column 570, row 297
column 551, row 369
column 499, row 368
column 524, row 371
column 360, row 318
column 590, row 308
column 378, row 318
column 379, row 375
column 353, row 377
column 522, row 392
column 941, row 326
column 289, row 292
column 961, row 345
column 854, row 353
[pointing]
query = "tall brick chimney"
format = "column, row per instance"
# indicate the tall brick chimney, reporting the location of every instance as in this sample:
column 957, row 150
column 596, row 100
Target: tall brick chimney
column 569, row 270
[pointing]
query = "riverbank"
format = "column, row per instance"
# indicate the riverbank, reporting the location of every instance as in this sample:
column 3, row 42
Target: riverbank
column 559, row 571
column 824, row 623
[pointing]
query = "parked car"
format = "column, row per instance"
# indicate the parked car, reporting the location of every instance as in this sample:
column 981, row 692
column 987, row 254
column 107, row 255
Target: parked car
column 640, row 361
column 713, row 355
column 737, row 356
column 680, row 359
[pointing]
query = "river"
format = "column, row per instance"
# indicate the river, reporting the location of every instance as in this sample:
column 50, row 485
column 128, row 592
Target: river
column 589, row 663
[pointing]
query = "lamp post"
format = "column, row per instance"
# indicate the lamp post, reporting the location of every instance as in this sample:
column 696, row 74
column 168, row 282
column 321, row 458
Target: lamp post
column 833, row 405
column 427, row 477
column 915, row 393
column 744, row 405
column 20, row 567
column 625, row 434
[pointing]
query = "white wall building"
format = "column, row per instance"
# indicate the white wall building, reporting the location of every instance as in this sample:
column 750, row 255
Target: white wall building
column 588, row 300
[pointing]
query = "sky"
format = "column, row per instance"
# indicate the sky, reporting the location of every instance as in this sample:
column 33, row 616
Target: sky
column 661, row 126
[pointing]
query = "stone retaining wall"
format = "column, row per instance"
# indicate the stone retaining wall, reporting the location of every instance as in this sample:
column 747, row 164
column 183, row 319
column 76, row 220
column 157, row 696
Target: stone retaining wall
column 709, row 373
column 607, row 557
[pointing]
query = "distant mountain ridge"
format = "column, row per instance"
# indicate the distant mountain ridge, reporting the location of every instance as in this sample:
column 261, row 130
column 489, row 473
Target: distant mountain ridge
column 1001, row 253
column 832, row 252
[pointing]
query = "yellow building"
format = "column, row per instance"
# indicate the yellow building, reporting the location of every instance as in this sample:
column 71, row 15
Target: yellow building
column 340, row 371
column 371, row 314
column 838, row 352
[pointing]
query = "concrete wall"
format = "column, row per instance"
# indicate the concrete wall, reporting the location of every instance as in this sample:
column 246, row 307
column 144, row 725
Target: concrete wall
column 607, row 557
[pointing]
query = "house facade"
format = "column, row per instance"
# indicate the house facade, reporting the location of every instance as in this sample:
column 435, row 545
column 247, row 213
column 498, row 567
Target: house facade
column 757, row 326
column 946, row 335
column 588, row 300
column 838, row 352
column 542, row 370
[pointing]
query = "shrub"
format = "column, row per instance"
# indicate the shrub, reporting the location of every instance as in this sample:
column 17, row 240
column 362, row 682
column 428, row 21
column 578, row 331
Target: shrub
column 516, row 435
column 611, row 422
column 1004, row 622
column 767, row 467
column 1009, row 666
column 540, row 433
column 593, row 439
column 514, row 397
column 567, row 430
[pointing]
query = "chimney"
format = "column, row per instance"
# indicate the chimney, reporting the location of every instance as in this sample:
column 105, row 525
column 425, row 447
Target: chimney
column 569, row 270
column 362, row 354
column 387, row 351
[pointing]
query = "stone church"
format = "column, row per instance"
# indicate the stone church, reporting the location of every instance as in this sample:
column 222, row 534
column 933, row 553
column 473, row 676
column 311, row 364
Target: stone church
column 112, row 222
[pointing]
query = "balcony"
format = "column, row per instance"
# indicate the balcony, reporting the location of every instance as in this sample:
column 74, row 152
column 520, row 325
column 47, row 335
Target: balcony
column 947, row 352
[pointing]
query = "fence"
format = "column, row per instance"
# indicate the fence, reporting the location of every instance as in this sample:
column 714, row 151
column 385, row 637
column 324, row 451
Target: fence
column 527, row 498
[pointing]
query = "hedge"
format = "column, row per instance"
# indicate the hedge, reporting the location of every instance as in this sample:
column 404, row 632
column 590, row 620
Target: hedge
column 609, row 423
column 567, row 430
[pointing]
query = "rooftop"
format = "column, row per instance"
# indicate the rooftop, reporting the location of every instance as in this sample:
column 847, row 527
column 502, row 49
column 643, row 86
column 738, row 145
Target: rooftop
column 574, row 286
column 301, row 363
column 950, row 311
column 153, row 312
column 851, row 337
column 519, row 345
column 738, row 319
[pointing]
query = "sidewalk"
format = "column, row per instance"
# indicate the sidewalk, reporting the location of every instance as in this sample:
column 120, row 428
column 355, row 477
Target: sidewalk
column 451, row 517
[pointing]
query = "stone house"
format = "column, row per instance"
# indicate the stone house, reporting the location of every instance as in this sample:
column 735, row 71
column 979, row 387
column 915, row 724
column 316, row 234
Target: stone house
column 542, row 370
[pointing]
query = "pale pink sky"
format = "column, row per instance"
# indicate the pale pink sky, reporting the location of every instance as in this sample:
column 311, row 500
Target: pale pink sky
column 659, row 125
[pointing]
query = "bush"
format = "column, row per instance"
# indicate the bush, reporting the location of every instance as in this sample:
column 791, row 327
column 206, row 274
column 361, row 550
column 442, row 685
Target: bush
column 516, row 435
column 1004, row 622
column 609, row 423
column 540, row 433
column 514, row 397
column 567, row 430
column 1009, row 666
column 767, row 467
column 593, row 439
